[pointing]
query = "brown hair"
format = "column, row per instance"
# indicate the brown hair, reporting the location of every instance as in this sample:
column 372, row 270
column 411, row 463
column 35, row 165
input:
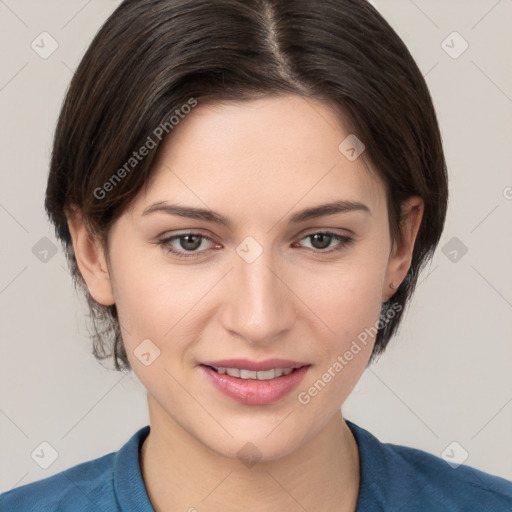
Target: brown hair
column 152, row 57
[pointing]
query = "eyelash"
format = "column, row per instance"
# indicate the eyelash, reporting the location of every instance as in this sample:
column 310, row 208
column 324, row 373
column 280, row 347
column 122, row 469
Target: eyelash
column 164, row 243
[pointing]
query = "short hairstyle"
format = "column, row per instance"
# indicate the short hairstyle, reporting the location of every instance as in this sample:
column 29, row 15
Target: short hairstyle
column 151, row 58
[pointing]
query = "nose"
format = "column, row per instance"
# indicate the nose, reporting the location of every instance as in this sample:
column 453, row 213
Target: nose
column 260, row 304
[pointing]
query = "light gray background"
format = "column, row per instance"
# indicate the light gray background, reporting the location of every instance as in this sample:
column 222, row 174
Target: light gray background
column 446, row 376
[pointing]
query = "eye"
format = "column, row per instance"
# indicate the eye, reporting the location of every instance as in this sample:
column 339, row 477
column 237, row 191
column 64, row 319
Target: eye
column 322, row 239
column 186, row 242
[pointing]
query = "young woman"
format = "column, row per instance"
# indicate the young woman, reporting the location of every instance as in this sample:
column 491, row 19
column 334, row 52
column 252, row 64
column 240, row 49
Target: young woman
column 247, row 191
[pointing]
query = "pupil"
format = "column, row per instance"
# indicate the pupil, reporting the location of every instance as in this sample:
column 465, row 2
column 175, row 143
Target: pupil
column 185, row 244
column 322, row 237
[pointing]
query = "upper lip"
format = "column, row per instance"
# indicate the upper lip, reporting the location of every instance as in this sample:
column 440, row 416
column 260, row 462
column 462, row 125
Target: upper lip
column 247, row 364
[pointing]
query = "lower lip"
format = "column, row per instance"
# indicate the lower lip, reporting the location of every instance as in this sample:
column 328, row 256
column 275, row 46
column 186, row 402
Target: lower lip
column 252, row 391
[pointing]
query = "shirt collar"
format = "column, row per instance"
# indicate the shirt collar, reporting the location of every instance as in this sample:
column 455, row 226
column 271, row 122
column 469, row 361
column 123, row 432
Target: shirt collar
column 128, row 483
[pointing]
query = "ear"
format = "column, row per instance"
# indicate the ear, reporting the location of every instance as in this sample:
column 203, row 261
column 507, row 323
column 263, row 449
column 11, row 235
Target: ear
column 90, row 259
column 401, row 255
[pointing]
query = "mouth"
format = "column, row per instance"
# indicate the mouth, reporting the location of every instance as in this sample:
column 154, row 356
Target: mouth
column 255, row 387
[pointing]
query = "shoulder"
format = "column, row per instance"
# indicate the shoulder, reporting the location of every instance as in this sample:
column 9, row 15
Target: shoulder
column 403, row 478
column 86, row 486
column 112, row 482
column 461, row 488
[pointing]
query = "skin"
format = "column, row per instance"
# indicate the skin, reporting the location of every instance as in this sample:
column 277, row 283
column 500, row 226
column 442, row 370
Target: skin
column 255, row 162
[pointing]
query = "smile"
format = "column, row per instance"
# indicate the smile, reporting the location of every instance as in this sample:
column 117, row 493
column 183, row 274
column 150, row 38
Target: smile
column 254, row 387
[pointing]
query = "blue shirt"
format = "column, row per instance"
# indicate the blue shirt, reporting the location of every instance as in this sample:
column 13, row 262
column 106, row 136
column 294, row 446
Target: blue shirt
column 393, row 479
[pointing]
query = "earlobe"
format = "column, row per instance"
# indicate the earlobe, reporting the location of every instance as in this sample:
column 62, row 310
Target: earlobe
column 401, row 256
column 91, row 260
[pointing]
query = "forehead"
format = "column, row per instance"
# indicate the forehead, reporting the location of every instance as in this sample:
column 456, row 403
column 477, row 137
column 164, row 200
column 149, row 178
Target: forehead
column 270, row 151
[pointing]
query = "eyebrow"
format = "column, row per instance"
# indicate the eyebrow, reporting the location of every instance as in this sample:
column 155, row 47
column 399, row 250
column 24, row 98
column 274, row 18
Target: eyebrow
column 301, row 216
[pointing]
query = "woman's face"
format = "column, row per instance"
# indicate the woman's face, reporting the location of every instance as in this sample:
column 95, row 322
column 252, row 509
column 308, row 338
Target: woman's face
column 259, row 288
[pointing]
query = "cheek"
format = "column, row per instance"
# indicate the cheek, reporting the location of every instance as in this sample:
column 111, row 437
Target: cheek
column 156, row 300
column 345, row 297
column 345, row 305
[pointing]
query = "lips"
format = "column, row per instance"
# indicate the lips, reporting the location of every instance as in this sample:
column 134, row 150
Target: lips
column 254, row 392
column 248, row 364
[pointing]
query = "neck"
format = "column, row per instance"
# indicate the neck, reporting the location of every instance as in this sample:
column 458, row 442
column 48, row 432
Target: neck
column 181, row 473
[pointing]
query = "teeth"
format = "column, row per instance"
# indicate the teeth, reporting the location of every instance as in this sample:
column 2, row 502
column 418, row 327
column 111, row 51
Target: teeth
column 249, row 374
column 234, row 372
